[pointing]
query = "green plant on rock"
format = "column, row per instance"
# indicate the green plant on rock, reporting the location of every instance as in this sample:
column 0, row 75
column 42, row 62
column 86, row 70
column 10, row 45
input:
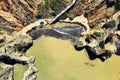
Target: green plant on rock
column 110, row 24
column 117, row 5
column 39, row 11
column 97, row 34
column 57, row 5
column 54, row 4
column 19, row 47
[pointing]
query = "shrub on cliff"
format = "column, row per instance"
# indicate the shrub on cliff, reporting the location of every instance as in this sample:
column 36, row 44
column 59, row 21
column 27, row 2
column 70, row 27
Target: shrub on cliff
column 57, row 5
column 43, row 10
column 50, row 7
column 19, row 47
column 117, row 6
column 110, row 24
column 39, row 11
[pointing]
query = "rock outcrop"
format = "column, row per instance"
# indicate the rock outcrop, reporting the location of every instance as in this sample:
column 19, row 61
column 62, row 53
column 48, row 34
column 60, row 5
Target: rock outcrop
column 17, row 17
column 14, row 15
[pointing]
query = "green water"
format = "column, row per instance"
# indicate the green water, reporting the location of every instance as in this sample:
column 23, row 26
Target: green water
column 19, row 71
column 57, row 60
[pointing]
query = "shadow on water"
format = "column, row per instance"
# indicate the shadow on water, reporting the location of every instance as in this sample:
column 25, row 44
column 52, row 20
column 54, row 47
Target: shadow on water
column 92, row 53
column 57, row 60
column 117, row 43
column 70, row 33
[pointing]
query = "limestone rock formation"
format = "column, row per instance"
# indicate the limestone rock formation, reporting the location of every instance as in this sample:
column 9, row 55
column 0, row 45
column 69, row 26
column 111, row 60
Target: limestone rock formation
column 14, row 15
column 17, row 17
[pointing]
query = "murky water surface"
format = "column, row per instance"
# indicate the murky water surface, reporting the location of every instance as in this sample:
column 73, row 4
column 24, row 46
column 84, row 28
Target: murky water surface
column 56, row 59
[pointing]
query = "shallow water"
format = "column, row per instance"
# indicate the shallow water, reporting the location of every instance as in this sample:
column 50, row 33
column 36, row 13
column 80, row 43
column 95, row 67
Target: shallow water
column 19, row 71
column 56, row 59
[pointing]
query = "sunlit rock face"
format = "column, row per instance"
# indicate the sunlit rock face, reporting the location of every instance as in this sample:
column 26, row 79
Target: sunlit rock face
column 16, row 14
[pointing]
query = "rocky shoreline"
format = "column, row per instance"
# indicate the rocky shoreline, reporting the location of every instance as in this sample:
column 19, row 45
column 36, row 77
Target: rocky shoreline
column 15, row 41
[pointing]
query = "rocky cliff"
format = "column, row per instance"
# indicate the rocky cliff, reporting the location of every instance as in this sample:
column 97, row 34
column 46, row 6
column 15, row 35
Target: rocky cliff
column 14, row 15
column 17, row 15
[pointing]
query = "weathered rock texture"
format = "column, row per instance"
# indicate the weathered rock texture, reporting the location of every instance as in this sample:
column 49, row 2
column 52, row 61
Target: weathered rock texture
column 14, row 15
column 17, row 14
